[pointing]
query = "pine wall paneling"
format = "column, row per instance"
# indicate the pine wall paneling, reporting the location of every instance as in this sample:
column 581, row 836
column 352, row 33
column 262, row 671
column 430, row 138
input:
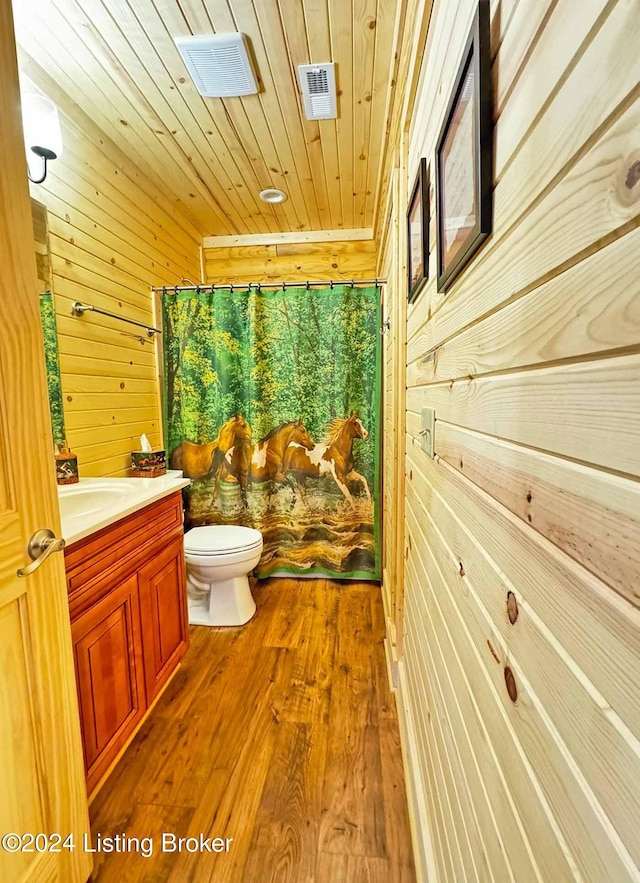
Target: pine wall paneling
column 111, row 237
column 412, row 30
column 294, row 262
column 523, row 738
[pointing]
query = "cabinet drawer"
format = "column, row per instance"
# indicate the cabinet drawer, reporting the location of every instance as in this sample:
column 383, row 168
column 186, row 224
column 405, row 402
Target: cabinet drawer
column 93, row 565
column 109, row 671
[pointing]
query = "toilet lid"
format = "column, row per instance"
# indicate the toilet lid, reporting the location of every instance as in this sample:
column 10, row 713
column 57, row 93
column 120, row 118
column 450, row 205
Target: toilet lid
column 217, row 538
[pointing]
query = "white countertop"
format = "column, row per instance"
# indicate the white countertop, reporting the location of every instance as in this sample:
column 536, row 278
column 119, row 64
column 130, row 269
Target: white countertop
column 94, row 503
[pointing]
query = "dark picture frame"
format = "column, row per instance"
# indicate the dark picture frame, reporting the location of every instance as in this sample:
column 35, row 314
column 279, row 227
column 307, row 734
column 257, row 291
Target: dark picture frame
column 464, row 157
column 418, row 217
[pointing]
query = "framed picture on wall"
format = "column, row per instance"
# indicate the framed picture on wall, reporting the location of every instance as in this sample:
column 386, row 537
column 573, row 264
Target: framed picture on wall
column 464, row 157
column 418, row 233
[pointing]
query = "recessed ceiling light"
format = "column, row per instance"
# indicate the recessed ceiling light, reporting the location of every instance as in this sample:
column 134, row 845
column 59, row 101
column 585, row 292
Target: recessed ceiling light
column 272, row 196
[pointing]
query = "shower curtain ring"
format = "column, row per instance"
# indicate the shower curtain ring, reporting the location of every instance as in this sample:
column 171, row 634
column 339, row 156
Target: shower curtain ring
column 283, row 286
column 231, row 288
column 308, row 285
column 353, row 284
column 164, row 290
column 331, row 284
column 197, row 289
column 213, row 288
column 259, row 287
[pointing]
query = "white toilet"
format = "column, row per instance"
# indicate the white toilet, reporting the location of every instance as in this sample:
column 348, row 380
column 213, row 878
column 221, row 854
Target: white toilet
column 219, row 559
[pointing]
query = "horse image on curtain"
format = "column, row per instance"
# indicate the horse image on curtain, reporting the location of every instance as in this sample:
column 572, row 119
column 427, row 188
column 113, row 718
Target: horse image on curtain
column 272, row 408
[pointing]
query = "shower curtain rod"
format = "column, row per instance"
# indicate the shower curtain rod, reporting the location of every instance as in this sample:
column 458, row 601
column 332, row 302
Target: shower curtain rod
column 174, row 289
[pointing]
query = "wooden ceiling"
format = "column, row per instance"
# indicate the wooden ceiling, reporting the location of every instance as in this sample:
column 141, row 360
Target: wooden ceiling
column 116, row 59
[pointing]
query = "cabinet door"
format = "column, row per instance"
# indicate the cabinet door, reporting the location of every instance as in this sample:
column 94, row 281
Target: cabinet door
column 109, row 670
column 163, row 607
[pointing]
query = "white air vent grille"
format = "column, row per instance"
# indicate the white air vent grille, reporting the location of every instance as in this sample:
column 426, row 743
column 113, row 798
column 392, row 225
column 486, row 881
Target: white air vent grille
column 219, row 65
column 317, row 81
column 318, row 84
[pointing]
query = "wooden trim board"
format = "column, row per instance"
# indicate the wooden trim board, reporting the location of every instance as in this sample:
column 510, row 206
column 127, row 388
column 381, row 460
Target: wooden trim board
column 355, row 235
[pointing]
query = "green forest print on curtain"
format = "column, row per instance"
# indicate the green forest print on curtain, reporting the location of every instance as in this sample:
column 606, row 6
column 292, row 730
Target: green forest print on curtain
column 52, row 365
column 272, row 409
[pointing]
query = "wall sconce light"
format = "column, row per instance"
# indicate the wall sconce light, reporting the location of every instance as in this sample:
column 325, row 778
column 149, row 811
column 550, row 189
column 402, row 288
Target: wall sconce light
column 42, row 134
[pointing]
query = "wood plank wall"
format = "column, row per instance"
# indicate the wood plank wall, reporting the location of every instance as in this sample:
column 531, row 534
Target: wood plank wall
column 291, row 262
column 521, row 666
column 111, row 237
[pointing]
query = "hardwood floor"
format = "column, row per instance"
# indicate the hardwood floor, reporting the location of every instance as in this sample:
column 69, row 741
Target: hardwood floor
column 282, row 735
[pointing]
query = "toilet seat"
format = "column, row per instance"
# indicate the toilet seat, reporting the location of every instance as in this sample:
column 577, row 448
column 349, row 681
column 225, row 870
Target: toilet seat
column 219, row 541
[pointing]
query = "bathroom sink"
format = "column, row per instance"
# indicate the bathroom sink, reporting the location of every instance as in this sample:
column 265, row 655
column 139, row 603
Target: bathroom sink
column 95, row 503
column 82, row 501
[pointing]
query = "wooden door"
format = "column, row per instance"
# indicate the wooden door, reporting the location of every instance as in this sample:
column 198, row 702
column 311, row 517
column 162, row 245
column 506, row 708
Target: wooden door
column 106, row 641
column 163, row 605
column 43, row 789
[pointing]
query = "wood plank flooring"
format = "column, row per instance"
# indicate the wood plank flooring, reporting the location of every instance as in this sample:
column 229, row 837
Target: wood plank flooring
column 282, row 735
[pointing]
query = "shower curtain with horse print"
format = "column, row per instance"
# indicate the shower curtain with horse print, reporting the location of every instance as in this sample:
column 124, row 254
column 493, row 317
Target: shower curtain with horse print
column 272, row 408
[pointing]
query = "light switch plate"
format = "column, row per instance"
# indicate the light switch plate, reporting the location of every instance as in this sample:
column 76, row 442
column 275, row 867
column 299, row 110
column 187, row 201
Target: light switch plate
column 428, row 432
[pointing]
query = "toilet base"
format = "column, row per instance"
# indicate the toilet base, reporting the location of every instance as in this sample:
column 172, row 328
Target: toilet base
column 229, row 603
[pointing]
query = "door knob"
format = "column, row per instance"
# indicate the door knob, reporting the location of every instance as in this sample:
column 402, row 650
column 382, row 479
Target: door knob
column 42, row 544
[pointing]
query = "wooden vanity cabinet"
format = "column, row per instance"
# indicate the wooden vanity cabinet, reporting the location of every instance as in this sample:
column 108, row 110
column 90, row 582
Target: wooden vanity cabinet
column 127, row 597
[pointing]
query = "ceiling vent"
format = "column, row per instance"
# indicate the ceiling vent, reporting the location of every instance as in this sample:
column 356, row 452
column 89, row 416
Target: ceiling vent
column 318, row 84
column 219, row 64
